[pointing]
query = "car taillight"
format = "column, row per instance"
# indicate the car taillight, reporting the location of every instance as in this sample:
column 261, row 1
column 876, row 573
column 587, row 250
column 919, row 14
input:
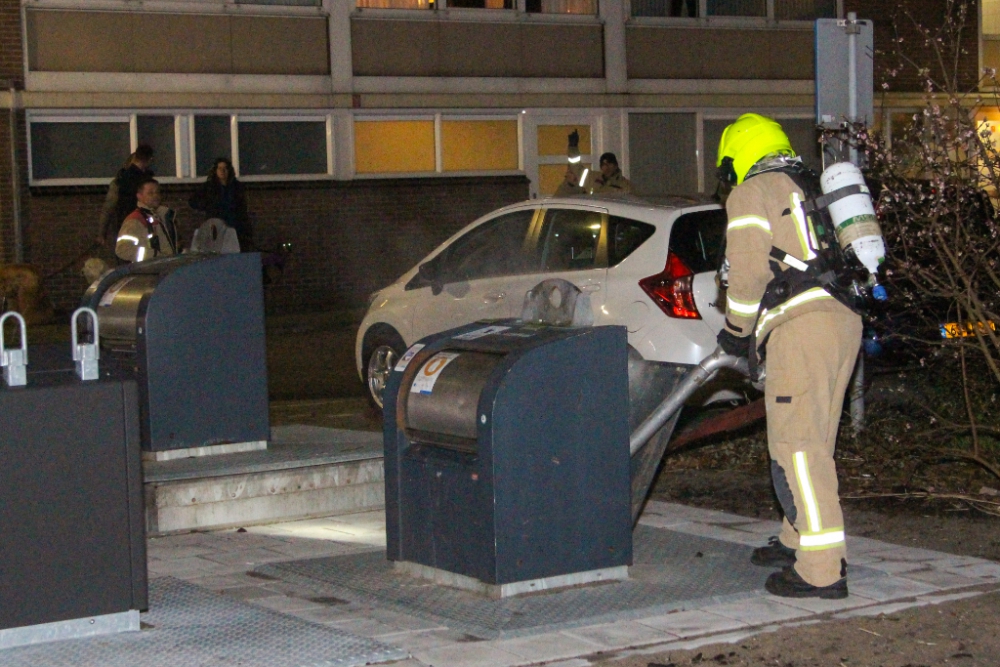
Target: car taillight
column 672, row 289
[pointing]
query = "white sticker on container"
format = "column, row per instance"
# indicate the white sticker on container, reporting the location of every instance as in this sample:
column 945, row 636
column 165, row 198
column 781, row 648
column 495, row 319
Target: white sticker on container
column 479, row 333
column 431, row 371
column 404, row 361
column 112, row 292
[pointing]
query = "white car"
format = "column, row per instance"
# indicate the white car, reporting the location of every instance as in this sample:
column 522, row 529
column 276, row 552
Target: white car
column 650, row 267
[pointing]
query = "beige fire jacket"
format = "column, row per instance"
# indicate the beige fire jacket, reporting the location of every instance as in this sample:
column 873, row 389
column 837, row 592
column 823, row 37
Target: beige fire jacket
column 764, row 211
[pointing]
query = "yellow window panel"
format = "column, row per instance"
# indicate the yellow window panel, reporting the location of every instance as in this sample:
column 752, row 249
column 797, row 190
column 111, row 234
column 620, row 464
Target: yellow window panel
column 550, row 176
column 479, row 145
column 393, row 146
column 554, row 139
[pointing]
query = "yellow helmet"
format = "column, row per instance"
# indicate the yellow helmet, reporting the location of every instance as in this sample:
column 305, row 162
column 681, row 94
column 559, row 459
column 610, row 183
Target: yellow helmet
column 750, row 138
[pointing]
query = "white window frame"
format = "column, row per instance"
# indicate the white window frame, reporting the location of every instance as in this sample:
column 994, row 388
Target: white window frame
column 185, row 148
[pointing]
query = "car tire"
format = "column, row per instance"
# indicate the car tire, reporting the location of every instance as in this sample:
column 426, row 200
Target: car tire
column 382, row 348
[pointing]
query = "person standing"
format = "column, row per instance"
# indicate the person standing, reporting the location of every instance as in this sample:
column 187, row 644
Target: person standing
column 611, row 180
column 223, row 196
column 121, row 198
column 811, row 341
column 149, row 231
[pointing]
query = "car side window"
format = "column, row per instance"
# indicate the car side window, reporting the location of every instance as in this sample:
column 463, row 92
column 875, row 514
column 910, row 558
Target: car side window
column 698, row 238
column 494, row 248
column 571, row 239
column 625, row 236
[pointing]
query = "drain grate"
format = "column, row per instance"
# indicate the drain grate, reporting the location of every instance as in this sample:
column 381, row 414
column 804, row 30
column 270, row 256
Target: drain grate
column 671, row 571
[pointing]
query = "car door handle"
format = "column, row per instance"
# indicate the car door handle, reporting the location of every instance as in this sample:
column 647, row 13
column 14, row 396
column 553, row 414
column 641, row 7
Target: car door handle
column 494, row 297
column 590, row 288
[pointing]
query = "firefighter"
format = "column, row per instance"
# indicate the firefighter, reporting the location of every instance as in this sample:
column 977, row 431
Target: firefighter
column 811, row 341
column 611, row 181
column 149, row 230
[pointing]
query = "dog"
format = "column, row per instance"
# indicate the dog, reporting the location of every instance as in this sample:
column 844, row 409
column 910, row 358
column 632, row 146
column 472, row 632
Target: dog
column 94, row 269
column 21, row 290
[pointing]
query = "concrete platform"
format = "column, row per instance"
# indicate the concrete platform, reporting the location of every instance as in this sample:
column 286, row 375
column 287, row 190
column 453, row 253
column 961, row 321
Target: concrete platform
column 256, row 567
column 306, row 471
column 235, row 573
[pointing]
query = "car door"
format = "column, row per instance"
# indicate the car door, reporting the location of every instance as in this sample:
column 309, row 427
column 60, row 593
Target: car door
column 568, row 243
column 475, row 273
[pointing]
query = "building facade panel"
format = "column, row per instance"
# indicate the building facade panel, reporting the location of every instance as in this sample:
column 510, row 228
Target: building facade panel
column 664, row 52
column 432, row 48
column 133, row 42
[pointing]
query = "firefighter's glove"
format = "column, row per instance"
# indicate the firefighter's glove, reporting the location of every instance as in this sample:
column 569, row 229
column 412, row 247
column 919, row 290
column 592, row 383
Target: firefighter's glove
column 734, row 345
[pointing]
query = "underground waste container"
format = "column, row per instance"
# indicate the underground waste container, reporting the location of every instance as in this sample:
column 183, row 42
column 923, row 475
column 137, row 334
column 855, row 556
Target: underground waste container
column 507, row 458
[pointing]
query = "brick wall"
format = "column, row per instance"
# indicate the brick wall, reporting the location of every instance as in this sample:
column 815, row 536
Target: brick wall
column 893, row 17
column 348, row 238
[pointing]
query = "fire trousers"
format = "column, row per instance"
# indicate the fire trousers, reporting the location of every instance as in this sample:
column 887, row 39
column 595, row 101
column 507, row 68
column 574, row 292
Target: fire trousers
column 810, row 359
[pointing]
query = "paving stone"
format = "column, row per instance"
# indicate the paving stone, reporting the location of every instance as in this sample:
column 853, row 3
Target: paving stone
column 878, row 610
column 758, row 611
column 941, row 579
column 983, row 571
column 818, row 606
column 427, row 639
column 480, row 654
column 890, row 588
column 551, row 646
column 691, row 623
column 617, row 635
column 893, row 566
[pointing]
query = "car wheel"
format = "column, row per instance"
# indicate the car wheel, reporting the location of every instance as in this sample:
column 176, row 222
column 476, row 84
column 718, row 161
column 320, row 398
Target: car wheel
column 382, row 351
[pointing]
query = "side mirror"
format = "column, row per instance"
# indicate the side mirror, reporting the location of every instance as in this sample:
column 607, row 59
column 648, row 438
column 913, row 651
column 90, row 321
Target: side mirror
column 430, row 273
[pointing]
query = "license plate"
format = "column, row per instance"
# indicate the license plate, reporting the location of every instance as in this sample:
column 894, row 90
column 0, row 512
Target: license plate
column 955, row 330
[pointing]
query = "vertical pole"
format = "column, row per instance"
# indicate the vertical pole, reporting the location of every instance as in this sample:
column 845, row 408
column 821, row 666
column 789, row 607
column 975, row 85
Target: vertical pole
column 15, row 183
column 858, row 395
column 852, row 77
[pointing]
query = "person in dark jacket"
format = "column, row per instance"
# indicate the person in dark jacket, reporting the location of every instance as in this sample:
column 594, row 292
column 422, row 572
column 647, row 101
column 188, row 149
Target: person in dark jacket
column 224, row 197
column 121, row 198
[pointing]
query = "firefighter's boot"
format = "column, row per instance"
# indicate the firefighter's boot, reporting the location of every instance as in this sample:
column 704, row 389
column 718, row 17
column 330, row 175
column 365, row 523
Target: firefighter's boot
column 775, row 554
column 788, row 584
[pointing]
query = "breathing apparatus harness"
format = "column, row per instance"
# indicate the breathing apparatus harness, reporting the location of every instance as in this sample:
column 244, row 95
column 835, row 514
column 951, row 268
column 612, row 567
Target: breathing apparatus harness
column 835, row 269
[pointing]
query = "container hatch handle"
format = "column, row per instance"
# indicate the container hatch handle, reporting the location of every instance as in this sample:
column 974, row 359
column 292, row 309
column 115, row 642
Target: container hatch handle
column 85, row 355
column 14, row 360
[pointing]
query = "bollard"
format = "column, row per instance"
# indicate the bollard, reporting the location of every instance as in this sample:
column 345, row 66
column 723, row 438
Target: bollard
column 86, row 354
column 14, row 361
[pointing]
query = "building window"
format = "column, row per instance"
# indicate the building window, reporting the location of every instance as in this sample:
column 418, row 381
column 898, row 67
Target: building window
column 394, row 146
column 553, row 142
column 415, row 145
column 479, row 145
column 159, row 132
column 529, row 6
column 78, row 149
column 282, row 147
column 212, row 140
column 777, row 10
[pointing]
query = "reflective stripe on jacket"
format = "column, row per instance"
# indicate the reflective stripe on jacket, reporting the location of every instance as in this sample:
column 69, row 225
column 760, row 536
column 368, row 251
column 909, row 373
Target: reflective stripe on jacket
column 765, row 211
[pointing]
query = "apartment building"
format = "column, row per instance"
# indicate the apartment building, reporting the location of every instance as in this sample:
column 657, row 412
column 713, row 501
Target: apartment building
column 367, row 131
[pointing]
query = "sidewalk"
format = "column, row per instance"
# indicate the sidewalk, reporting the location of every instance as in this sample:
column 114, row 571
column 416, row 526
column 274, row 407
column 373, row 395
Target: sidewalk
column 227, row 562
column 294, row 572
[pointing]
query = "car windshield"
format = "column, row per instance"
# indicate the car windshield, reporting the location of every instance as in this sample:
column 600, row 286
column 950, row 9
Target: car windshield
column 698, row 239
